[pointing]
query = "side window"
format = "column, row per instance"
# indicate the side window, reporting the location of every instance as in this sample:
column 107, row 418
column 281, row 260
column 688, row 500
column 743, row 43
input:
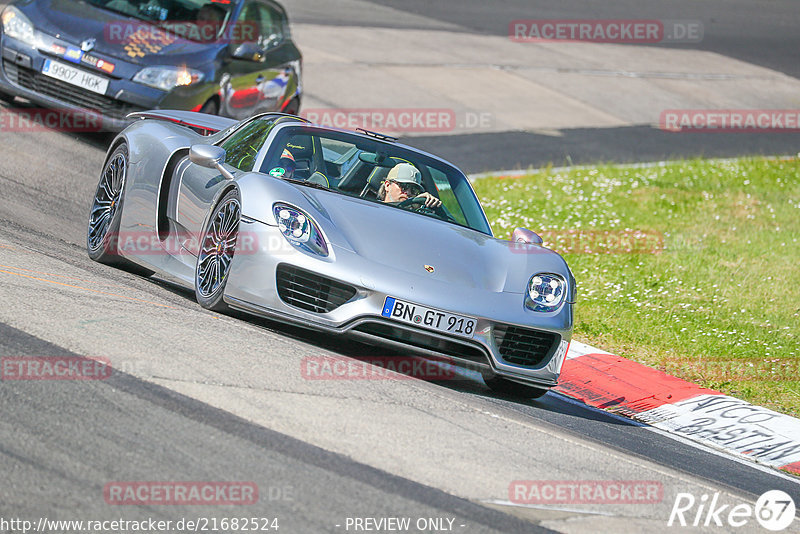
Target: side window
column 261, row 24
column 447, row 196
column 242, row 147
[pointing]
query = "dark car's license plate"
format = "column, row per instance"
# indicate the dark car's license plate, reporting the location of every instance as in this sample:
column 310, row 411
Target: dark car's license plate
column 71, row 75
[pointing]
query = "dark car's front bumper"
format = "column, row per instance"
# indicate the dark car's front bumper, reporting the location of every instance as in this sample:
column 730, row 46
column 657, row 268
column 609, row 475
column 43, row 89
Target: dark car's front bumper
column 21, row 75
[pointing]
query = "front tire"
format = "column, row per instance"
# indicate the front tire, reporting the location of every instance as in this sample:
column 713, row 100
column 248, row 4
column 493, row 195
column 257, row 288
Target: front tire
column 514, row 389
column 216, row 253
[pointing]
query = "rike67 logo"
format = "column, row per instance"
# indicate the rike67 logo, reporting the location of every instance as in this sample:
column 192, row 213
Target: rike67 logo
column 774, row 511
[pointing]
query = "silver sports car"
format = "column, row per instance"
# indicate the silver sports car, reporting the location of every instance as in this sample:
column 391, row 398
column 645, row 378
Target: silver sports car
column 343, row 232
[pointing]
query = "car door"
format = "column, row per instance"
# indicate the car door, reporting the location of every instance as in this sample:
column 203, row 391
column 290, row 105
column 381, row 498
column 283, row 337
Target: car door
column 198, row 186
column 260, row 68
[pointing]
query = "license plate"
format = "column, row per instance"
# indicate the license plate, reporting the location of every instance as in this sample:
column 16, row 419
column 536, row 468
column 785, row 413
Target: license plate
column 78, row 77
column 406, row 312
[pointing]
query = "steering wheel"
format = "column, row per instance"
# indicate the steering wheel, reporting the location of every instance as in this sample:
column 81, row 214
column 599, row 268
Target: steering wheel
column 439, row 211
column 411, row 201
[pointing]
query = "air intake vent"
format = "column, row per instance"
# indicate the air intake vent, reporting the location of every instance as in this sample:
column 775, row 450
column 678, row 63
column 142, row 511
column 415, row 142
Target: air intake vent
column 523, row 347
column 309, row 291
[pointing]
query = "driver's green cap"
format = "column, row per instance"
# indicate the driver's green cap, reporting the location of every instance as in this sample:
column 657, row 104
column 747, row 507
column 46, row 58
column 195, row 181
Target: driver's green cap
column 405, row 172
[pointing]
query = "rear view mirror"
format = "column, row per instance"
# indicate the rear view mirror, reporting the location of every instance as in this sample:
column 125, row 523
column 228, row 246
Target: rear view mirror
column 211, row 157
column 523, row 235
column 248, row 51
column 381, row 160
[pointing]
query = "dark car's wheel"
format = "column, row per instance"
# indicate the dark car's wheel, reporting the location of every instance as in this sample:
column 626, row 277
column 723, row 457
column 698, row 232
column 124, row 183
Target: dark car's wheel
column 293, row 107
column 515, row 389
column 210, row 107
column 216, row 253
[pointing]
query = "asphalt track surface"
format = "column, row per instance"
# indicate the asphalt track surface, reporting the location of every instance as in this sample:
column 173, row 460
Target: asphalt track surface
column 209, row 397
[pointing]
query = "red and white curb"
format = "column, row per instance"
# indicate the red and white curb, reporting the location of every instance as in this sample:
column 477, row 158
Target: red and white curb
column 615, row 384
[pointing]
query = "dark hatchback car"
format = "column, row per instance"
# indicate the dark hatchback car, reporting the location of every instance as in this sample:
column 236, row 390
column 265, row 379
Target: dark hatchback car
column 113, row 57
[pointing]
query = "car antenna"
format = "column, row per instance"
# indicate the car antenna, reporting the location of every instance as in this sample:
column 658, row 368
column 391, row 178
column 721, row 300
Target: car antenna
column 377, row 135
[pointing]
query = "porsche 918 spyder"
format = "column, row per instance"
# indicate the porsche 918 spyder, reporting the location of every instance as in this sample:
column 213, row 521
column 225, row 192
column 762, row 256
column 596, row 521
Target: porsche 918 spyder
column 284, row 219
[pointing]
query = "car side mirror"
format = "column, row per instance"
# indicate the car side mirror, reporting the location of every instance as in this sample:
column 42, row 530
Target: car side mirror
column 211, row 157
column 248, row 51
column 523, row 235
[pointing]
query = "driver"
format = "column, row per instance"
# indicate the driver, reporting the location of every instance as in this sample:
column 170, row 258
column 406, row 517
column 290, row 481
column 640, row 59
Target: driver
column 403, row 182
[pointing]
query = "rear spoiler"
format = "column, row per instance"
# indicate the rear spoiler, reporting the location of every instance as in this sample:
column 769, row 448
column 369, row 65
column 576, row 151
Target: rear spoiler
column 200, row 122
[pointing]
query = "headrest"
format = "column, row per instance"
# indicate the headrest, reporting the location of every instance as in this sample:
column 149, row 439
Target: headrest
column 301, row 147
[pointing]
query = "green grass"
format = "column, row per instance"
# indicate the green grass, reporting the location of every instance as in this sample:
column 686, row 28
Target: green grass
column 717, row 302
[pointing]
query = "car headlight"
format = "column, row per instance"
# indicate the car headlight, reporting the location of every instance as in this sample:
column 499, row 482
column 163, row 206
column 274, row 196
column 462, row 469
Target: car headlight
column 300, row 229
column 167, row 78
column 546, row 292
column 18, row 26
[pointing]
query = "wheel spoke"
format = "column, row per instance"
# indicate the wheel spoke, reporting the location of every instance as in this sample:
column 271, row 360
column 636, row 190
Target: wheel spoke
column 106, row 187
column 101, row 205
column 229, row 224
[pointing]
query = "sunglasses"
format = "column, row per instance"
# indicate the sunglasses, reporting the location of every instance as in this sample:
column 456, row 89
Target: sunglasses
column 408, row 187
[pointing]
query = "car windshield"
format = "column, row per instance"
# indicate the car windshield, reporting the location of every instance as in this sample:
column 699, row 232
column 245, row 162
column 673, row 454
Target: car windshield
column 353, row 165
column 196, row 20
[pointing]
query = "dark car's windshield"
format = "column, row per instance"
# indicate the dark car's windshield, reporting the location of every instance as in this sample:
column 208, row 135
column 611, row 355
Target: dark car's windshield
column 352, row 165
column 197, row 20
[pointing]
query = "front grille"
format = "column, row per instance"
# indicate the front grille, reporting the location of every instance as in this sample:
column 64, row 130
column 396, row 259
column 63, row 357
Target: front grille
column 309, row 291
column 522, row 346
column 67, row 93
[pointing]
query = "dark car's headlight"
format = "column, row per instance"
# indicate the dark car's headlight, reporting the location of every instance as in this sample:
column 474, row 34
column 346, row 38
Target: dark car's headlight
column 18, row 26
column 300, row 229
column 546, row 292
column 167, row 78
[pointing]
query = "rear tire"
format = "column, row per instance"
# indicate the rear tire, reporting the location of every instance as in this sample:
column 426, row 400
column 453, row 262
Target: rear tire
column 102, row 234
column 216, row 253
column 515, row 389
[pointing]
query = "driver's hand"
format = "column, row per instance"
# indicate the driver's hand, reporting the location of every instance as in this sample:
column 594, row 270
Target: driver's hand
column 430, row 200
